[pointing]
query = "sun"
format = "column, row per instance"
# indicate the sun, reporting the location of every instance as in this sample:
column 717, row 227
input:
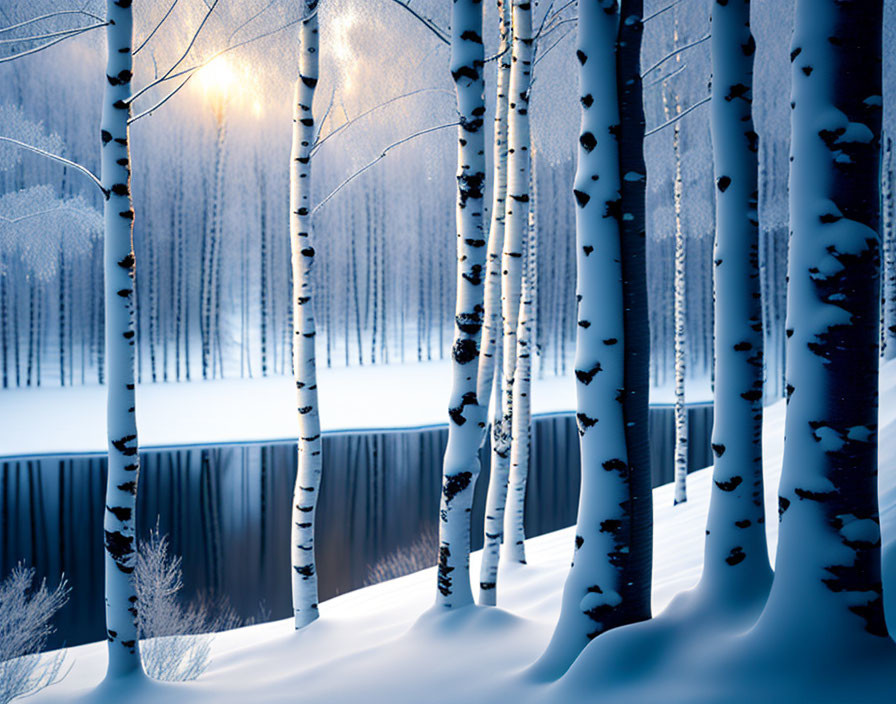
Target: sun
column 218, row 78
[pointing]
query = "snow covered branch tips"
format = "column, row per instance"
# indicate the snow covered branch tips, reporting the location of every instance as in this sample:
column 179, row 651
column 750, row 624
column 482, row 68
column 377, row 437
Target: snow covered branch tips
column 465, row 412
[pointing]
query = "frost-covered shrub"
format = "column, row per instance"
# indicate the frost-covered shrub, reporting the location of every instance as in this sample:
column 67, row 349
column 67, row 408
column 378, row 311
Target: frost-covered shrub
column 407, row 559
column 175, row 640
column 25, row 616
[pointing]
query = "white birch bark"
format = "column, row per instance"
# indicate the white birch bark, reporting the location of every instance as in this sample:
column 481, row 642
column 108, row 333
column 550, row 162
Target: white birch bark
column 736, row 569
column 465, row 414
column 679, row 306
column 492, row 335
column 826, row 595
column 514, row 547
column 307, row 486
column 491, row 328
column 515, row 224
column 592, row 595
column 119, row 267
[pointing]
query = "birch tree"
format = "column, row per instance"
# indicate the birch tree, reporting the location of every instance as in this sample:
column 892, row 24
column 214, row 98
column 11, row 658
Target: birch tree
column 888, row 242
column 514, row 547
column 119, row 522
column 465, row 414
column 828, row 491
column 516, row 221
column 304, row 576
column 736, row 569
column 592, row 595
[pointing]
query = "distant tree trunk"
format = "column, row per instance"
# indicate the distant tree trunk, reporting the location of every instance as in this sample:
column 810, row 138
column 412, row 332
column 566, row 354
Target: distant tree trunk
column 736, row 569
column 466, row 415
column 636, row 383
column 831, row 594
column 679, row 306
column 124, row 465
column 593, row 594
column 304, row 576
column 516, row 221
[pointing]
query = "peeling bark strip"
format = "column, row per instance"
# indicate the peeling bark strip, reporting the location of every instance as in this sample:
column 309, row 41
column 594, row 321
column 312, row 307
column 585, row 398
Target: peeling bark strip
column 736, row 524
column 304, row 575
column 516, row 221
column 829, row 480
column 467, row 415
column 593, row 593
column 119, row 267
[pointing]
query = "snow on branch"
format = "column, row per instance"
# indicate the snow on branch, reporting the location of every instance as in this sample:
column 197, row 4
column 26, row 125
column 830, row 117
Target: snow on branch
column 426, row 22
column 675, row 119
column 65, row 35
column 55, row 157
column 380, row 158
column 33, row 20
column 677, row 51
column 50, row 35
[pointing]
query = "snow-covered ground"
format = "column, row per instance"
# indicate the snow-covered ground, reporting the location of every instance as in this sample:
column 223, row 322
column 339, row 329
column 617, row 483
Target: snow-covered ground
column 71, row 420
column 382, row 644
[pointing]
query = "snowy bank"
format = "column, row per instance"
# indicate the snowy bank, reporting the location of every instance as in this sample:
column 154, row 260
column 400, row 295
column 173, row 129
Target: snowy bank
column 372, row 645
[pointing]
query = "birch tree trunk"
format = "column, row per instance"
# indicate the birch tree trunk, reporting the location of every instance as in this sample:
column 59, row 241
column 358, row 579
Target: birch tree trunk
column 491, row 328
column 592, row 595
column 515, row 224
column 636, row 384
column 466, row 415
column 514, row 517
column 829, row 597
column 736, row 569
column 118, row 257
column 304, row 575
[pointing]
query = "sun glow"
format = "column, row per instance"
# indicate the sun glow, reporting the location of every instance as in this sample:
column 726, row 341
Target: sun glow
column 219, row 78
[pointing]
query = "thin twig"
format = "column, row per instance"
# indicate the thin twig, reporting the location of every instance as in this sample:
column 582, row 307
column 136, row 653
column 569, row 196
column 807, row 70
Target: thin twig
column 347, row 123
column 134, row 118
column 675, row 53
column 426, row 22
column 156, row 28
column 660, row 11
column 556, row 42
column 13, row 221
column 666, row 78
column 36, row 49
column 251, row 19
column 379, row 158
column 55, row 157
column 182, row 56
column 45, row 17
column 677, row 117
column 50, row 35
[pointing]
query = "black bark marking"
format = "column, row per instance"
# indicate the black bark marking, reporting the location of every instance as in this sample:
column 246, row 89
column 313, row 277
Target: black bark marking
column 731, row 484
column 581, row 198
column 120, row 547
column 465, row 351
column 587, row 375
column 455, row 484
column 723, row 182
column 783, row 505
column 718, row 449
column 122, row 513
column 736, row 556
column 584, row 422
column 588, row 142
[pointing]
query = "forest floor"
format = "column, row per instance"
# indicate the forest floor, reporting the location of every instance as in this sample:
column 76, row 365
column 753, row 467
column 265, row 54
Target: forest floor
column 71, row 420
column 384, row 644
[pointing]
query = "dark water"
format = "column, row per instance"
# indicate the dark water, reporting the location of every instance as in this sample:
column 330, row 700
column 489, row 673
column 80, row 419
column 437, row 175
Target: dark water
column 227, row 510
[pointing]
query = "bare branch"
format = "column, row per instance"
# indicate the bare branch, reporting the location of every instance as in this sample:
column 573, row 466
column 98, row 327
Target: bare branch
column 323, row 120
column 428, row 23
column 73, row 33
column 180, row 60
column 556, row 42
column 46, row 17
column 225, row 50
column 666, row 78
column 87, row 172
column 13, row 221
column 155, row 29
column 677, row 117
column 675, row 53
column 251, row 19
column 134, row 118
column 660, row 11
column 50, row 35
column 379, row 158
column 351, row 121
